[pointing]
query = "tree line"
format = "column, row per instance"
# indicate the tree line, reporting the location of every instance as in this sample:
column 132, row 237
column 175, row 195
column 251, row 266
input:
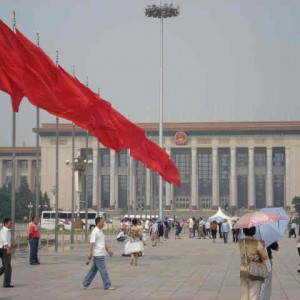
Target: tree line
column 24, row 196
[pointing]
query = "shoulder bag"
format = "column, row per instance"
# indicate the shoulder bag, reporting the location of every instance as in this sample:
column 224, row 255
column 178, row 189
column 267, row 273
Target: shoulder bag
column 256, row 270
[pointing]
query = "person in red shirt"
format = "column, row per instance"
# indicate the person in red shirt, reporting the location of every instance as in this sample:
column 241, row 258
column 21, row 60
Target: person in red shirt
column 34, row 236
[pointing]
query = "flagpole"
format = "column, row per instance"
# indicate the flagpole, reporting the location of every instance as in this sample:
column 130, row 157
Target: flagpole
column 56, row 177
column 98, row 167
column 13, row 177
column 37, row 163
column 73, row 179
column 86, row 178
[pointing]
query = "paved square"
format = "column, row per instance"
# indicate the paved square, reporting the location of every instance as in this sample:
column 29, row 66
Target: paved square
column 177, row 269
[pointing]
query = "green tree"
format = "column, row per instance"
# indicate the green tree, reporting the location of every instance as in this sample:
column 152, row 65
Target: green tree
column 23, row 198
column 296, row 202
column 5, row 203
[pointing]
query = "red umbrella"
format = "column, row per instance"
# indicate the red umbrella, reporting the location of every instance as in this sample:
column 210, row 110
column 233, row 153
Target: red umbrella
column 258, row 218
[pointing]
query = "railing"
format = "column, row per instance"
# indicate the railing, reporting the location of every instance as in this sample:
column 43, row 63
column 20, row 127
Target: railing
column 64, row 236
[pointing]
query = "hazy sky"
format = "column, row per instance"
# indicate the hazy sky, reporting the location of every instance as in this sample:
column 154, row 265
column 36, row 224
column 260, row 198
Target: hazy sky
column 224, row 60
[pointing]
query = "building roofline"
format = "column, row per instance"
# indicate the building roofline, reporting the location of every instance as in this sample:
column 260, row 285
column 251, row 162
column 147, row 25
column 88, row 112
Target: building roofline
column 193, row 126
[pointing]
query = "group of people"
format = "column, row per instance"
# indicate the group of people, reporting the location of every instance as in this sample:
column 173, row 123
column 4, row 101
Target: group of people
column 251, row 250
column 6, row 248
column 210, row 228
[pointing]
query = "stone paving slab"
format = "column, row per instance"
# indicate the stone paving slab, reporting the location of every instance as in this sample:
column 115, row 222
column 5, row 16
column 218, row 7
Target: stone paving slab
column 177, row 269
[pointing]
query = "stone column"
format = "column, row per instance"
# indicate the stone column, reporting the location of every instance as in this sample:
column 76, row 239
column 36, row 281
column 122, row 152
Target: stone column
column 194, row 194
column 269, row 187
column 29, row 174
column 1, row 173
column 233, row 179
column 251, row 181
column 215, row 176
column 287, row 200
column 112, row 199
column 168, row 189
column 148, row 188
column 95, row 176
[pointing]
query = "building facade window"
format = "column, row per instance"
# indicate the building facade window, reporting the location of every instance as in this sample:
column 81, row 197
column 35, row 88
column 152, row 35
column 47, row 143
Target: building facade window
column 140, row 181
column 87, row 191
column 260, row 191
column 260, row 157
column 182, row 159
column 89, row 155
column 204, row 178
column 23, row 165
column 278, row 157
column 105, row 157
column 242, row 157
column 242, row 191
column 105, row 191
column 278, row 190
column 123, row 158
column 8, row 164
column 224, row 176
column 122, row 190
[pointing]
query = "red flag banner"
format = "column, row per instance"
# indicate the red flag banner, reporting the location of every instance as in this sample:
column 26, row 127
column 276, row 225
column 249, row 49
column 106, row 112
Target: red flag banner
column 25, row 70
column 11, row 66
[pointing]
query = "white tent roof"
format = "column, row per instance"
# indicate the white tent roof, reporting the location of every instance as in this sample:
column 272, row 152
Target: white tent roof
column 219, row 213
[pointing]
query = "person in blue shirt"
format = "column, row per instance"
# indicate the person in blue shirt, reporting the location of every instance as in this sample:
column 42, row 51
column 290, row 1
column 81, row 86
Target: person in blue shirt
column 225, row 228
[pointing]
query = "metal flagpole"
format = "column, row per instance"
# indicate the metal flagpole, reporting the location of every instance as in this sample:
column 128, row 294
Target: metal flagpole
column 161, row 112
column 73, row 180
column 56, row 177
column 37, row 163
column 86, row 178
column 98, row 172
column 13, row 177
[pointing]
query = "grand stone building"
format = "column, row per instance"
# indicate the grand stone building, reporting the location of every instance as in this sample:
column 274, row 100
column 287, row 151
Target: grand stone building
column 228, row 164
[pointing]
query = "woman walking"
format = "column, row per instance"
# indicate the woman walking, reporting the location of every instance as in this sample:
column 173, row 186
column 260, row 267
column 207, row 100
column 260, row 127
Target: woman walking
column 136, row 245
column 251, row 250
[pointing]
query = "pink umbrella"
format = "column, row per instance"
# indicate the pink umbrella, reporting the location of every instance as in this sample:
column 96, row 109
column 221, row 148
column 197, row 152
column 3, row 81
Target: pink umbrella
column 258, row 218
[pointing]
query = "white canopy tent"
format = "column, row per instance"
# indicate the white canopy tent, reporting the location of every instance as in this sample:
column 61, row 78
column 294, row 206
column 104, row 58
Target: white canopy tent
column 219, row 213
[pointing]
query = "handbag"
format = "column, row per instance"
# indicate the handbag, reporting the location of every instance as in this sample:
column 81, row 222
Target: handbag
column 256, row 270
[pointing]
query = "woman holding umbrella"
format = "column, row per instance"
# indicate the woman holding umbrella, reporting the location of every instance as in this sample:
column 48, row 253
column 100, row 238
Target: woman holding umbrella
column 251, row 250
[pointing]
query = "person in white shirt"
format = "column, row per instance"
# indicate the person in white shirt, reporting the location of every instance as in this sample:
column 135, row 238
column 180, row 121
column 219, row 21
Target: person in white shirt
column 5, row 246
column 225, row 228
column 98, row 250
column 207, row 229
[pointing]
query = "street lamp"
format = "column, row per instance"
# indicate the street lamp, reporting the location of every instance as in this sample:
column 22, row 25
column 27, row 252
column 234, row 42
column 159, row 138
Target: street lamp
column 162, row 12
column 79, row 166
column 53, row 191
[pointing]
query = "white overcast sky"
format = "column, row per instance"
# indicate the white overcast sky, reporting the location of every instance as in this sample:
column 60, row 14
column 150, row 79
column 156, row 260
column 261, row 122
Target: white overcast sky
column 224, row 60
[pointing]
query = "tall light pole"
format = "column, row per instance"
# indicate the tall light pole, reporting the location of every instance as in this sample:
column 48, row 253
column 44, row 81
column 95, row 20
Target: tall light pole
column 161, row 12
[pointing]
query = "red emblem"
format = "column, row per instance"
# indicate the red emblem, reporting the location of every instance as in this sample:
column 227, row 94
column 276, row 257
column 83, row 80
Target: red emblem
column 180, row 138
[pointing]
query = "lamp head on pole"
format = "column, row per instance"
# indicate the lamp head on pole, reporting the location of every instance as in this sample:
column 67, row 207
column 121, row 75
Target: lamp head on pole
column 165, row 11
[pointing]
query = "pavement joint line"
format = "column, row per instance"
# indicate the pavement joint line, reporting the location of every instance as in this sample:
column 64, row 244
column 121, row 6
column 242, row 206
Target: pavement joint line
column 226, row 273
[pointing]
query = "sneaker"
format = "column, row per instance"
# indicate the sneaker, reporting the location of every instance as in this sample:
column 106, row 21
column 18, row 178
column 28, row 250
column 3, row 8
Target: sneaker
column 111, row 288
column 85, row 287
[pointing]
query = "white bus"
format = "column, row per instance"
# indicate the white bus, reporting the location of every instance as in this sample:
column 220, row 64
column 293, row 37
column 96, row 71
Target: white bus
column 65, row 219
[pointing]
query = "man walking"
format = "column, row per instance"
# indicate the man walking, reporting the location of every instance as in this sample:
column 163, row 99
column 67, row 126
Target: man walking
column 97, row 251
column 5, row 244
column 225, row 228
column 34, row 237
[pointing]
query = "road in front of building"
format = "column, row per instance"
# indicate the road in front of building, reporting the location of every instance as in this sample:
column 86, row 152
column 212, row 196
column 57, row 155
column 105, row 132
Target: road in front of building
column 177, row 269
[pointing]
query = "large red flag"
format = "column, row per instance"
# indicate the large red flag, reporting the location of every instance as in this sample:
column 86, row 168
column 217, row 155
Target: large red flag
column 11, row 66
column 156, row 159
